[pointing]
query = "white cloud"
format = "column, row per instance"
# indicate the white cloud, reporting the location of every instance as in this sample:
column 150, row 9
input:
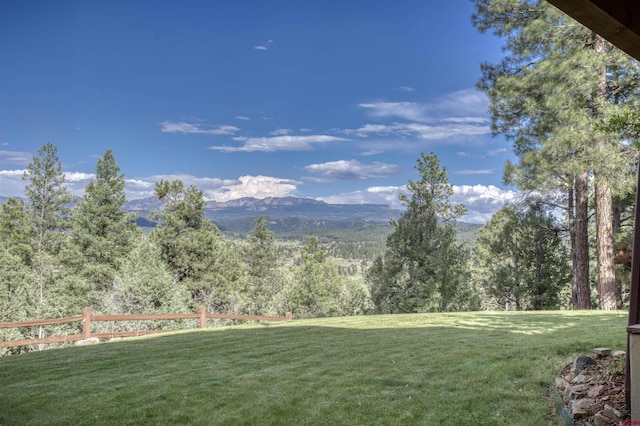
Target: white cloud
column 188, row 128
column 243, row 117
column 256, row 187
column 419, row 130
column 481, row 201
column 495, row 152
column 405, row 110
column 11, row 183
column 278, row 143
column 280, row 132
column 467, row 105
column 215, row 188
column 15, row 157
column 371, row 152
column 475, row 172
column 372, row 195
column 406, row 88
column 143, row 187
column 78, row 176
column 263, row 46
column 354, row 169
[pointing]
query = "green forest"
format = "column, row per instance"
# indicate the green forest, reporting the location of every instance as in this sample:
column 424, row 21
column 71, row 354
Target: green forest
column 563, row 96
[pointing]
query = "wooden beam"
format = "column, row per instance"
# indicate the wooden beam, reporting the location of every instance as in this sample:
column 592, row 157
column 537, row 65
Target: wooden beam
column 617, row 21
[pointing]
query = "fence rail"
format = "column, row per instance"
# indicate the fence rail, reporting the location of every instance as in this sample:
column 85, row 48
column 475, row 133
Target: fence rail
column 87, row 319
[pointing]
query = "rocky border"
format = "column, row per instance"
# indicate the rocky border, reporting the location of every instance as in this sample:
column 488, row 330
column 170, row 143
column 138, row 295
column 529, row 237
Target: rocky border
column 590, row 390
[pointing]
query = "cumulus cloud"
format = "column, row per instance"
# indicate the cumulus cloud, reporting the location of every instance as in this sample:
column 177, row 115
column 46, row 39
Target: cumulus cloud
column 481, row 201
column 353, row 169
column 372, row 195
column 278, row 143
column 256, row 187
column 188, row 128
column 11, row 183
column 243, row 117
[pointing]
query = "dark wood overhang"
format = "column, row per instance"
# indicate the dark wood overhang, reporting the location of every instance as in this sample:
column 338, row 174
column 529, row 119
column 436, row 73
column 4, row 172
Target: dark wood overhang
column 618, row 21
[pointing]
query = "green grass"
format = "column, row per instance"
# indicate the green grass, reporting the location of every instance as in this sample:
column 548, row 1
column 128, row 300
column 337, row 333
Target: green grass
column 433, row 369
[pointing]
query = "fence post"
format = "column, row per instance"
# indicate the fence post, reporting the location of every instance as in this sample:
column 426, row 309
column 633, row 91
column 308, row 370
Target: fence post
column 203, row 317
column 86, row 326
column 288, row 316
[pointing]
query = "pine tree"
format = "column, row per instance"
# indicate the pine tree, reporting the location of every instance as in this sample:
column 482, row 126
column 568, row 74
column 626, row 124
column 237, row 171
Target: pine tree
column 421, row 267
column 48, row 207
column 318, row 289
column 520, row 260
column 265, row 279
column 196, row 252
column 102, row 232
column 16, row 229
column 557, row 82
column 48, row 198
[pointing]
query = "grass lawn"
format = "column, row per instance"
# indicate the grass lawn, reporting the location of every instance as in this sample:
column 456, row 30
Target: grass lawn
column 481, row 368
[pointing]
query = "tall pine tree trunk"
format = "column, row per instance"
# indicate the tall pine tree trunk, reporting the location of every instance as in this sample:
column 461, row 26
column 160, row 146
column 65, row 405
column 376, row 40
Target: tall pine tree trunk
column 607, row 288
column 582, row 296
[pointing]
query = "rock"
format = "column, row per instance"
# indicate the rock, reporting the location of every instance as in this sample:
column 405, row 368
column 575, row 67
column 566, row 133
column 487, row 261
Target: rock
column 580, row 378
column 577, row 391
column 569, row 377
column 561, row 383
column 619, row 353
column 581, row 363
column 602, row 351
column 595, row 391
column 601, row 420
column 609, row 411
column 579, row 408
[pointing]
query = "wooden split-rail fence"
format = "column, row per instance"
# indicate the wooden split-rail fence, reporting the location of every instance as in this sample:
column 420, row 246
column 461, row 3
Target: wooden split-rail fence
column 87, row 319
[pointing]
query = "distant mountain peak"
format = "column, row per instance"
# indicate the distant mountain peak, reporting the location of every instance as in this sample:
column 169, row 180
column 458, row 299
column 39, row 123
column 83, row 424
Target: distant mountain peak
column 257, row 203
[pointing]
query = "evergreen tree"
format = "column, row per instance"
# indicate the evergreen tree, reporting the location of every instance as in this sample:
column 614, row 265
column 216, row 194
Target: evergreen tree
column 48, row 198
column 144, row 284
column 319, row 290
column 16, row 229
column 549, row 94
column 17, row 296
column 265, row 279
column 520, row 260
column 421, row 269
column 102, row 232
column 48, row 207
column 198, row 255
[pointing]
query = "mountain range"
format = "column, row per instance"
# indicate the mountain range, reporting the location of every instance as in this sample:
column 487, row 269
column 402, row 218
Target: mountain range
column 287, row 213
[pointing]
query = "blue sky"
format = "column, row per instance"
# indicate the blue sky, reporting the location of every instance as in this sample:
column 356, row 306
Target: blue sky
column 333, row 100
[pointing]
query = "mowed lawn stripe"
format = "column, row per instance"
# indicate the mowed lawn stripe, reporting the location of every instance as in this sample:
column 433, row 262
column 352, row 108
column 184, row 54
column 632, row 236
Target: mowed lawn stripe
column 493, row 368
